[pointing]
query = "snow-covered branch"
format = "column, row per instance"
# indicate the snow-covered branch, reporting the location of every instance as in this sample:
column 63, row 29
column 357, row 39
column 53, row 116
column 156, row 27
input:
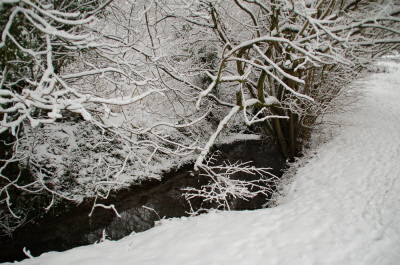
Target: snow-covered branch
column 224, row 185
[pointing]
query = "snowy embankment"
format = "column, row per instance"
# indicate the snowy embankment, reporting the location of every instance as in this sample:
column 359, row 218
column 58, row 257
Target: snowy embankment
column 341, row 208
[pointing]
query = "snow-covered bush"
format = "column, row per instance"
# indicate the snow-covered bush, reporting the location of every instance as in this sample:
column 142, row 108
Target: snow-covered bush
column 229, row 182
column 82, row 113
column 281, row 62
column 95, row 93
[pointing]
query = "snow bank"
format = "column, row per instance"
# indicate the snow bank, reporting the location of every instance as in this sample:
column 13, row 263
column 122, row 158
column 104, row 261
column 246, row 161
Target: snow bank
column 342, row 207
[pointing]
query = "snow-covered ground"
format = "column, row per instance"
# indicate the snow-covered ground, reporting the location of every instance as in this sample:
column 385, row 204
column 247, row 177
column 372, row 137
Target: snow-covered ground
column 343, row 207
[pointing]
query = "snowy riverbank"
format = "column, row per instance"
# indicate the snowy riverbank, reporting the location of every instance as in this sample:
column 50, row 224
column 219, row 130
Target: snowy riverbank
column 341, row 208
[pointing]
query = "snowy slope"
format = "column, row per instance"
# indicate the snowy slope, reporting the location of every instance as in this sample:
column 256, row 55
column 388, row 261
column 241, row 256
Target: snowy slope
column 343, row 207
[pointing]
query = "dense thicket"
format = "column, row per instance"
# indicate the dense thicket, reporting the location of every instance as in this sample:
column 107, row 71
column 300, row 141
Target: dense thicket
column 100, row 94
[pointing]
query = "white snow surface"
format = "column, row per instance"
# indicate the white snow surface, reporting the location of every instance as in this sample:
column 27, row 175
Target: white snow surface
column 342, row 207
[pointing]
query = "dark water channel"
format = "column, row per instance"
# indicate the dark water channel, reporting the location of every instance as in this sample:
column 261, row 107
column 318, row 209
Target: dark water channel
column 74, row 228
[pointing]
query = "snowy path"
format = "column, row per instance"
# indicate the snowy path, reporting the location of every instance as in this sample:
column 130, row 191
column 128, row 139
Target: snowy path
column 342, row 208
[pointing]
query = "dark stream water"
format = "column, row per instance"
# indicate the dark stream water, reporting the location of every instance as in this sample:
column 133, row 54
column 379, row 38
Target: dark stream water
column 74, row 228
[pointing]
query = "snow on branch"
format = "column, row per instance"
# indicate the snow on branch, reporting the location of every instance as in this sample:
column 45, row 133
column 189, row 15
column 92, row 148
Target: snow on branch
column 111, row 206
column 267, row 38
column 60, row 64
column 211, row 140
column 224, row 185
column 88, row 104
